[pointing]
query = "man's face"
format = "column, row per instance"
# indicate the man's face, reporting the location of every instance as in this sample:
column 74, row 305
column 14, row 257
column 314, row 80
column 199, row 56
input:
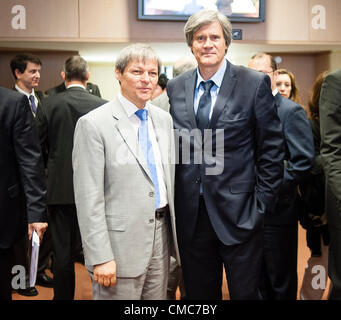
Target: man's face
column 209, row 46
column 29, row 79
column 263, row 64
column 138, row 81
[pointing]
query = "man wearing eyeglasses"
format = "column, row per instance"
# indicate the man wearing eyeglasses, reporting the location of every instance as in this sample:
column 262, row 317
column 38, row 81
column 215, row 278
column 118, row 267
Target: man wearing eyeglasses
column 279, row 269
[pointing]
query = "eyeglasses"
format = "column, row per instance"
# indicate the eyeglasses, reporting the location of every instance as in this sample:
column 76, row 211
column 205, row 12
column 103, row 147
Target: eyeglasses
column 267, row 72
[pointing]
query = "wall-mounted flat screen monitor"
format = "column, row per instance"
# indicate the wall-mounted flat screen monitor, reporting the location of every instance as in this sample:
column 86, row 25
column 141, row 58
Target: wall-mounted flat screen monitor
column 180, row 10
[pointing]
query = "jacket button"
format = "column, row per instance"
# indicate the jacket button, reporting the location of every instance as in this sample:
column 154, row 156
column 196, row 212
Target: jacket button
column 151, row 194
column 151, row 221
column 197, row 180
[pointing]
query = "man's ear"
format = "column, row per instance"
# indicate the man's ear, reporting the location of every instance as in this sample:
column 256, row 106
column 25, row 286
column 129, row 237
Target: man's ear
column 62, row 74
column 17, row 73
column 276, row 73
column 87, row 76
column 118, row 75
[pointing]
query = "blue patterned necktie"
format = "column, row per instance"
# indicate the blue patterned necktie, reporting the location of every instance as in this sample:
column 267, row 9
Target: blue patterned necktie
column 33, row 103
column 204, row 107
column 148, row 153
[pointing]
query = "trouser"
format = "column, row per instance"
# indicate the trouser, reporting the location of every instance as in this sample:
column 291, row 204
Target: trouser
column 334, row 263
column 279, row 267
column 6, row 262
column 203, row 258
column 65, row 233
column 151, row 285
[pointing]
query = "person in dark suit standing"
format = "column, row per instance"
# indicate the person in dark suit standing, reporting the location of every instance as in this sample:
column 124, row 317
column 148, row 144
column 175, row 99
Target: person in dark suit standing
column 90, row 87
column 56, row 121
column 330, row 125
column 227, row 178
column 22, row 183
column 26, row 70
column 279, row 269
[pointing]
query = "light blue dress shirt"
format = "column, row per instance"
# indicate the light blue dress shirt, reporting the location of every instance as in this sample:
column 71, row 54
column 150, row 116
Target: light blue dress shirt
column 199, row 90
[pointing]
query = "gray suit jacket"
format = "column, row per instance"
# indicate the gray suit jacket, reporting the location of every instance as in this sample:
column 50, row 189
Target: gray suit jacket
column 114, row 192
column 330, row 123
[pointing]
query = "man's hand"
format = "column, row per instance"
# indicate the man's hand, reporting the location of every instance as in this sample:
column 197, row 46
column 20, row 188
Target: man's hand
column 105, row 273
column 39, row 227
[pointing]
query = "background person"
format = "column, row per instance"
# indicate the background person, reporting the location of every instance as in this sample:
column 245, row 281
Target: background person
column 314, row 219
column 330, row 123
column 22, row 183
column 279, row 266
column 56, row 121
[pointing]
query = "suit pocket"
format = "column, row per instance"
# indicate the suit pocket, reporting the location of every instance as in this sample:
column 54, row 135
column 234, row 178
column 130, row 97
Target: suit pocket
column 13, row 191
column 116, row 223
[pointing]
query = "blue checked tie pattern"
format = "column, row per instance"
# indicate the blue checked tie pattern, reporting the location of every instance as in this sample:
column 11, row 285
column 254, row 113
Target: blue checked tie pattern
column 33, row 103
column 147, row 149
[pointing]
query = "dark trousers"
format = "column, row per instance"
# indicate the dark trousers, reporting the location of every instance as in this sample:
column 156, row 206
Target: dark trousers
column 279, row 266
column 334, row 263
column 6, row 263
column 65, row 233
column 203, row 259
column 45, row 252
column 21, row 256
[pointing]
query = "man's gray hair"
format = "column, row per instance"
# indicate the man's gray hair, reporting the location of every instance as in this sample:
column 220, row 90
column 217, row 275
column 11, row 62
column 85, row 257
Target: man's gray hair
column 76, row 68
column 204, row 17
column 184, row 64
column 138, row 51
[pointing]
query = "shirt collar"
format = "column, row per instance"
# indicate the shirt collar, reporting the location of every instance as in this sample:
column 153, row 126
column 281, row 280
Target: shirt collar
column 217, row 77
column 275, row 92
column 129, row 107
column 24, row 92
column 75, row 85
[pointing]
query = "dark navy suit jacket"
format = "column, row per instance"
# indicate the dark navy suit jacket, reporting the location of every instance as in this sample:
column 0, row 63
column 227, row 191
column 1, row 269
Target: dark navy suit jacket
column 250, row 161
column 22, row 182
column 299, row 157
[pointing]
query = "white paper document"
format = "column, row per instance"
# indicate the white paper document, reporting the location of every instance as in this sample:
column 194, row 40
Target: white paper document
column 34, row 258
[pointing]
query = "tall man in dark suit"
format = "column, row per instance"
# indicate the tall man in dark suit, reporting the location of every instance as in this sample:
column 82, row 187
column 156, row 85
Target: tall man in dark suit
column 56, row 121
column 330, row 122
column 90, row 87
column 22, row 183
column 221, row 197
column 279, row 269
column 26, row 70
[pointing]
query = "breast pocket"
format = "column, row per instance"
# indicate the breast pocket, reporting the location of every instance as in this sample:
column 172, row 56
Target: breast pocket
column 237, row 130
column 116, row 223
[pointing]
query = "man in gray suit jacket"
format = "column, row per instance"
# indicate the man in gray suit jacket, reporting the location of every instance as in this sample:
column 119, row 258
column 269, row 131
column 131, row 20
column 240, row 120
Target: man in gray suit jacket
column 123, row 165
column 330, row 124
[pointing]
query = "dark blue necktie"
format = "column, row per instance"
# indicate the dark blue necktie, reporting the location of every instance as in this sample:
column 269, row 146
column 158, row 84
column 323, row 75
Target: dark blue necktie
column 33, row 103
column 204, row 107
column 148, row 153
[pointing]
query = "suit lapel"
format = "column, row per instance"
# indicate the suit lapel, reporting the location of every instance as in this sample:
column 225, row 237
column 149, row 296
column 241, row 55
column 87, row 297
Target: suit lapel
column 128, row 134
column 189, row 91
column 227, row 86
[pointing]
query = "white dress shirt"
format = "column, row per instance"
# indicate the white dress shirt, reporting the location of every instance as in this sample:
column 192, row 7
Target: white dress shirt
column 28, row 97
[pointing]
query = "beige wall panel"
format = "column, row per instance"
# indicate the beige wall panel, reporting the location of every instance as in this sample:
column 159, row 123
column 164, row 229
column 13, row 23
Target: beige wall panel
column 332, row 9
column 44, row 19
column 287, row 20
